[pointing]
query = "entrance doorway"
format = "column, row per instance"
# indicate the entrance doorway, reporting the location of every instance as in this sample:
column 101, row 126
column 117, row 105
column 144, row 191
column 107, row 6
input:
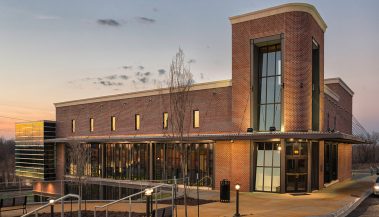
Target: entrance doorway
column 296, row 167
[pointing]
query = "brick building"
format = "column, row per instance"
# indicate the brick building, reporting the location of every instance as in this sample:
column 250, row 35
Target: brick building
column 276, row 126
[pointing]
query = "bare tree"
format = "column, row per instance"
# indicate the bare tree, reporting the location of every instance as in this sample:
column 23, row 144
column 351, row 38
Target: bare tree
column 7, row 161
column 78, row 156
column 180, row 82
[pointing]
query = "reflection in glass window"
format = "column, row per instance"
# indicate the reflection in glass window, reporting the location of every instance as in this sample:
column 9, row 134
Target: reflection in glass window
column 196, row 118
column 165, row 120
column 113, row 123
column 268, row 167
column 137, row 122
column 91, row 124
column 73, row 126
column 270, row 87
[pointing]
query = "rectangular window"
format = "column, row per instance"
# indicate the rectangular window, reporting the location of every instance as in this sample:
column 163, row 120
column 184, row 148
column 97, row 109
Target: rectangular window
column 113, row 123
column 137, row 122
column 268, row 167
column 73, row 126
column 196, row 118
column 270, row 87
column 165, row 120
column 91, row 124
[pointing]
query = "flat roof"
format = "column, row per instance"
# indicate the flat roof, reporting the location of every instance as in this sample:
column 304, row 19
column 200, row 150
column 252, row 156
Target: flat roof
column 153, row 92
column 257, row 136
column 303, row 7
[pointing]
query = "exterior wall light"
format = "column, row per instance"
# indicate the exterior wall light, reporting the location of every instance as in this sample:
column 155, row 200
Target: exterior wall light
column 250, row 130
column 237, row 214
column 51, row 202
column 279, row 148
column 148, row 193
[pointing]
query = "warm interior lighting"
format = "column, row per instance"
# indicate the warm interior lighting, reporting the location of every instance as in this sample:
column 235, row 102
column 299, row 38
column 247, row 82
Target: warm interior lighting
column 279, row 148
column 238, row 187
column 51, row 201
column 196, row 118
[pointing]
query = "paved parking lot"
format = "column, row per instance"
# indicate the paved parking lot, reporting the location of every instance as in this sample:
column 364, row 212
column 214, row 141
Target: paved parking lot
column 368, row 208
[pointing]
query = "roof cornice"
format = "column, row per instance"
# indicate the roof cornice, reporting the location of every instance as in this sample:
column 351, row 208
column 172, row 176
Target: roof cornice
column 341, row 83
column 290, row 7
column 200, row 86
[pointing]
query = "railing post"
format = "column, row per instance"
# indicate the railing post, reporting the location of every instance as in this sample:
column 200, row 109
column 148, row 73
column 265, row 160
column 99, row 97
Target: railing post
column 156, row 200
column 130, row 207
column 36, row 214
column 80, row 206
column 172, row 200
column 106, row 212
column 62, row 201
column 94, row 212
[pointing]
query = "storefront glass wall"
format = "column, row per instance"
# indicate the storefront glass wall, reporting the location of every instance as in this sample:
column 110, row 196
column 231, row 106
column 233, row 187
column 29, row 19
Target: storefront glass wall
column 131, row 161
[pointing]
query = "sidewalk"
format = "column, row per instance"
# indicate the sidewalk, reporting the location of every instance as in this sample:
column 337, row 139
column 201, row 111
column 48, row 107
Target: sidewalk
column 262, row 204
column 270, row 204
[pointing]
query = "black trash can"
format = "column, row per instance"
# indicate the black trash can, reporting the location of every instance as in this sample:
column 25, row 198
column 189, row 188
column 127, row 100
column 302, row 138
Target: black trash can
column 225, row 191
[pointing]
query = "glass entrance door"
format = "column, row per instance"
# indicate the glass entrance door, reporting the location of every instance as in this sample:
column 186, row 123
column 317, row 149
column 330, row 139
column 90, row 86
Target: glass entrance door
column 296, row 167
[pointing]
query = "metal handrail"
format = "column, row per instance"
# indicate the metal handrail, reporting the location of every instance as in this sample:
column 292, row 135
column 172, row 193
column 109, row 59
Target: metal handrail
column 206, row 177
column 130, row 200
column 52, row 202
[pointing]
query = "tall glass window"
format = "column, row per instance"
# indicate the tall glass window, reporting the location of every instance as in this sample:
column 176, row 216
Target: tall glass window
column 196, row 118
column 113, row 123
column 73, row 126
column 91, row 124
column 165, row 120
column 270, row 88
column 137, row 122
column 268, row 167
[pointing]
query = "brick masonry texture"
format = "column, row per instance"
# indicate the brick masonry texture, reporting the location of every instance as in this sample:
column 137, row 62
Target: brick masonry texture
column 344, row 161
column 299, row 28
column 214, row 106
column 341, row 109
column 232, row 162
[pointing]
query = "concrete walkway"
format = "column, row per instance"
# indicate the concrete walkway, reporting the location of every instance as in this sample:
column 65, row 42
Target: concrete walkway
column 262, row 204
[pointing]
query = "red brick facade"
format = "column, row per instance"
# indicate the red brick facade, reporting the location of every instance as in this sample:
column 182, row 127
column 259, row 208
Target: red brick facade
column 214, row 106
column 228, row 109
column 298, row 29
column 338, row 112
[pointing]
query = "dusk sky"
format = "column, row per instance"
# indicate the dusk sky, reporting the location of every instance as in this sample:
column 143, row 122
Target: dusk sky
column 53, row 51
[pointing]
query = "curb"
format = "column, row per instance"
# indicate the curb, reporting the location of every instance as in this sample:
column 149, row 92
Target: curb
column 348, row 208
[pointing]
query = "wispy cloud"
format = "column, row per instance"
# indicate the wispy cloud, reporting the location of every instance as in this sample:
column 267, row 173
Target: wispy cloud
column 141, row 67
column 161, row 71
column 46, row 17
column 143, row 80
column 191, row 61
column 108, row 22
column 111, row 77
column 125, row 77
column 127, row 67
column 110, row 83
column 145, row 20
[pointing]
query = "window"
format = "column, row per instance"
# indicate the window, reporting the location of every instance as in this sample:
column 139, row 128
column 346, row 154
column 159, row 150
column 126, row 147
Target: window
column 335, row 123
column 91, row 124
column 165, row 120
column 196, row 118
column 113, row 123
column 73, row 127
column 137, row 122
column 270, row 87
column 268, row 167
